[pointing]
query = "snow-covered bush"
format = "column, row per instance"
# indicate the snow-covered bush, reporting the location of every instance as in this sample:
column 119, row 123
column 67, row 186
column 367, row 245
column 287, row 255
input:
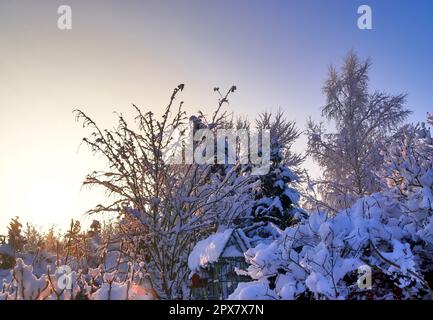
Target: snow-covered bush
column 408, row 175
column 67, row 284
column 320, row 257
column 390, row 232
column 408, row 170
column 26, row 286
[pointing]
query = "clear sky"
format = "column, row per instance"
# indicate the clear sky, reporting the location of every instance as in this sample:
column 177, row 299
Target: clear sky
column 123, row 52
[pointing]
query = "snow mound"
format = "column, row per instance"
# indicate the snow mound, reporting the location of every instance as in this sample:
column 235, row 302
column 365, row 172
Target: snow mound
column 208, row 250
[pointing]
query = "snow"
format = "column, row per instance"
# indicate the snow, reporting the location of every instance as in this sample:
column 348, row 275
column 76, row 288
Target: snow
column 232, row 251
column 292, row 194
column 317, row 254
column 252, row 291
column 30, row 286
column 208, row 250
column 6, row 250
column 25, row 285
column 244, row 238
column 114, row 291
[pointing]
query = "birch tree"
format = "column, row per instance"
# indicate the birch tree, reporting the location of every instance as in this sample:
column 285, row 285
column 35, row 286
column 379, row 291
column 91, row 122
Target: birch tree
column 363, row 121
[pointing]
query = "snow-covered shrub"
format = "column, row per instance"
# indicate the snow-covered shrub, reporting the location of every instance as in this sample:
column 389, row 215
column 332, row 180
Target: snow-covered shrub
column 113, row 289
column 63, row 283
column 25, row 285
column 408, row 170
column 320, row 257
column 391, row 232
column 408, row 174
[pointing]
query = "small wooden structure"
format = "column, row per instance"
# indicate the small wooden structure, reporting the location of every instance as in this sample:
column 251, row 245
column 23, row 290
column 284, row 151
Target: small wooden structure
column 217, row 280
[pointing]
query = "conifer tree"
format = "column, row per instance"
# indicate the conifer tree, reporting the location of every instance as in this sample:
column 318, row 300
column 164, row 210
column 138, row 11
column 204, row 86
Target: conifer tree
column 275, row 199
column 15, row 237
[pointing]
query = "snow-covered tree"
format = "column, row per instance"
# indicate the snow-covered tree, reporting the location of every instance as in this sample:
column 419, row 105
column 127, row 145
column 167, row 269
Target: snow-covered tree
column 364, row 121
column 165, row 207
column 276, row 201
column 283, row 135
column 95, row 229
column 26, row 285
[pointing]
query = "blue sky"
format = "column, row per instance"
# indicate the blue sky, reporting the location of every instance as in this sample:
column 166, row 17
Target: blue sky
column 123, row 52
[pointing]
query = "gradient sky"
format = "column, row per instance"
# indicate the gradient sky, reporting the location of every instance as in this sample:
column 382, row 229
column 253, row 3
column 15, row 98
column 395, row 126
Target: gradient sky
column 123, row 52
